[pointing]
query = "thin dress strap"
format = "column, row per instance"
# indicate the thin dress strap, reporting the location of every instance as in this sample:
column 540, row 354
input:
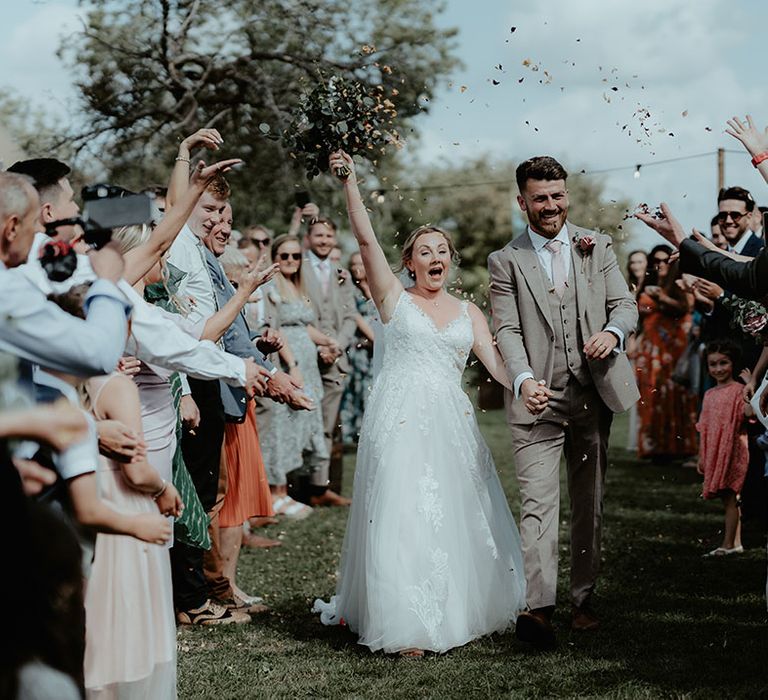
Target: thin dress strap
column 95, row 398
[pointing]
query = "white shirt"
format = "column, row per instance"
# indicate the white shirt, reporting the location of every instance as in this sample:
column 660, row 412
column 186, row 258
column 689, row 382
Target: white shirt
column 545, row 255
column 321, row 268
column 188, row 255
column 37, row 330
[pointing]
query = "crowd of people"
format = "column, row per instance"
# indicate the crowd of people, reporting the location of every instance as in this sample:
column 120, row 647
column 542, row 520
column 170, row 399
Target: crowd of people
column 165, row 394
column 169, row 392
column 698, row 364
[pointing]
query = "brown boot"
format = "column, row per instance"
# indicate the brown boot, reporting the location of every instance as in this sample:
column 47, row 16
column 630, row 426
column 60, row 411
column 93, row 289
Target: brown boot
column 583, row 618
column 535, row 627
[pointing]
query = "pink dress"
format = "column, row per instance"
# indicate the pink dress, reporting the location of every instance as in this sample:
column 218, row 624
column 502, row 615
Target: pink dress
column 130, row 635
column 723, row 451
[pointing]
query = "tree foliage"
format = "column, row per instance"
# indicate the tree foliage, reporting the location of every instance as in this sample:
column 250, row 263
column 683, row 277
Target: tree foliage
column 154, row 71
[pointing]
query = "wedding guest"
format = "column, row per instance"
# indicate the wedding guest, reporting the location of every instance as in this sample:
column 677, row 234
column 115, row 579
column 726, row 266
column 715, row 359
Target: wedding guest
column 734, row 218
column 667, row 410
column 637, row 267
column 306, row 445
column 130, row 649
column 716, row 234
column 360, row 355
column 334, row 306
column 723, row 451
column 255, row 243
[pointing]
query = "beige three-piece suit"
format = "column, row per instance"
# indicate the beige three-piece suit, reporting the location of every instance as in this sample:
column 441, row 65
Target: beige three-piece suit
column 541, row 333
column 335, row 310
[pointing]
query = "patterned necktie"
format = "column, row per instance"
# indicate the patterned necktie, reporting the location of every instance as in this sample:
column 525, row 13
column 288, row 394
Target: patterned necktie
column 559, row 270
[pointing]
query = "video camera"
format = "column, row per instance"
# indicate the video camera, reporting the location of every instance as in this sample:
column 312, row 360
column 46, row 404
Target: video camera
column 106, row 207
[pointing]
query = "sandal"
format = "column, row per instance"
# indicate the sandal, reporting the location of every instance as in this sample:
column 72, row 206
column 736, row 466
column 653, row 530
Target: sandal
column 723, row 552
column 411, row 653
column 291, row 509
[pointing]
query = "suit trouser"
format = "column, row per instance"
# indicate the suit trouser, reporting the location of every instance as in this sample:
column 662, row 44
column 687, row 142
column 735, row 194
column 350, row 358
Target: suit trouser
column 578, row 422
column 213, row 566
column 202, row 455
column 333, row 388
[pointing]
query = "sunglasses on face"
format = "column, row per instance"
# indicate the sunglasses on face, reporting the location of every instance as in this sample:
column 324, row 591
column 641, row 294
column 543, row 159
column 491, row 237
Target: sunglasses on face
column 736, row 216
column 661, row 261
column 289, row 256
column 261, row 242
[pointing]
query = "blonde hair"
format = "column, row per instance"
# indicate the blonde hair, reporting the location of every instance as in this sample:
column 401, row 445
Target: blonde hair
column 233, row 262
column 283, row 288
column 130, row 237
column 406, row 254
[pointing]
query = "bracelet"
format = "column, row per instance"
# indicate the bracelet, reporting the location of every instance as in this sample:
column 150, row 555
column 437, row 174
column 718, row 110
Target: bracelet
column 182, row 160
column 161, row 491
column 759, row 158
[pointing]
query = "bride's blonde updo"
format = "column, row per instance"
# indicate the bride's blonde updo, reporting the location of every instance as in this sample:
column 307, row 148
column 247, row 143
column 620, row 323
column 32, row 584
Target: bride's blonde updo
column 407, row 253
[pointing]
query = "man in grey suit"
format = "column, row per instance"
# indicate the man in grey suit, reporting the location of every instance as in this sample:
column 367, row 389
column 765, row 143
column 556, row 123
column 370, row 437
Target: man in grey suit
column 562, row 313
column 334, row 305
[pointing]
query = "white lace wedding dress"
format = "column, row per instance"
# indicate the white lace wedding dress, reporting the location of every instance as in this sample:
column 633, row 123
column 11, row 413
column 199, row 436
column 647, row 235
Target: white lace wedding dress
column 431, row 556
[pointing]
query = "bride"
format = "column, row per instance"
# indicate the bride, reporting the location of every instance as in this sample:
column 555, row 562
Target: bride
column 431, row 556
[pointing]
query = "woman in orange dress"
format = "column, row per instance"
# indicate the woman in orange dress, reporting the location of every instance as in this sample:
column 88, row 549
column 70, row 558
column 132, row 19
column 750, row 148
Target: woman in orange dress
column 667, row 410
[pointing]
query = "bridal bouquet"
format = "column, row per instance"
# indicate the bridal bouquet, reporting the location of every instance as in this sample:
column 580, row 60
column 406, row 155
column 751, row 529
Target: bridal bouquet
column 341, row 114
column 749, row 316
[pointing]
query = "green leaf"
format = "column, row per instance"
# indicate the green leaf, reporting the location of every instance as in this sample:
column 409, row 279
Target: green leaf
column 264, row 128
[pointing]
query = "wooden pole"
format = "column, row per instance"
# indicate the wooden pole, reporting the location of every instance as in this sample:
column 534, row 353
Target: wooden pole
column 720, row 168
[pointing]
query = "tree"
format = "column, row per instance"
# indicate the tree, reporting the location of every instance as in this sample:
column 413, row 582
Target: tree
column 154, row 71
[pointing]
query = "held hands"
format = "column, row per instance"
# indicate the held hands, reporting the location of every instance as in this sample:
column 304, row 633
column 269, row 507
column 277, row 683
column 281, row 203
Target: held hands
column 754, row 140
column 600, row 345
column 535, row 395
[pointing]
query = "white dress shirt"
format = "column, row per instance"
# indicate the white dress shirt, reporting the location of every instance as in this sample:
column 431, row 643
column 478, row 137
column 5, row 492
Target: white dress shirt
column 740, row 243
column 545, row 256
column 188, row 255
column 322, row 269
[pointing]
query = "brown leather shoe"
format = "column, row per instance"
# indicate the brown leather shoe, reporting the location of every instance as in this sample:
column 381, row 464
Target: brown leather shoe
column 583, row 618
column 330, row 498
column 535, row 627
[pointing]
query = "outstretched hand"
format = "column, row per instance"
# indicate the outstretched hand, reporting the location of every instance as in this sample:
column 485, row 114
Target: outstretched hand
column 202, row 138
column 754, row 140
column 203, row 174
column 664, row 223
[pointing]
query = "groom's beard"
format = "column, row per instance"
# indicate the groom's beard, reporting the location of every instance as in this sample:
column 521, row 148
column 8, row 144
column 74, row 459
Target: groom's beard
column 548, row 223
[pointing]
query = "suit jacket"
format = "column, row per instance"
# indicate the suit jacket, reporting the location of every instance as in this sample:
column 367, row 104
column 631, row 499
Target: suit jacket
column 335, row 310
column 524, row 327
column 745, row 279
column 236, row 339
column 753, row 246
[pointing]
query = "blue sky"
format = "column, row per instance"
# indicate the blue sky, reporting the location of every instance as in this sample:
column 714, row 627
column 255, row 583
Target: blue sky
column 690, row 64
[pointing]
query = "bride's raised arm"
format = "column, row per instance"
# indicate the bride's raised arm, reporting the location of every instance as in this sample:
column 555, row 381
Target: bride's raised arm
column 385, row 287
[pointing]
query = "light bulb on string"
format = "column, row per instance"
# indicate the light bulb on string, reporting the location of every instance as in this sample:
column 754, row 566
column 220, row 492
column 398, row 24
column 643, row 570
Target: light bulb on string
column 637, row 171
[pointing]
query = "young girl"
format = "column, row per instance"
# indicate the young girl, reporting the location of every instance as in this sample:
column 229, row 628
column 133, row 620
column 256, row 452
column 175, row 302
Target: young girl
column 723, row 452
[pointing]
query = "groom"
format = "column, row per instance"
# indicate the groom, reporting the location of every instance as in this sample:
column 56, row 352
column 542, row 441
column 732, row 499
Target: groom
column 562, row 313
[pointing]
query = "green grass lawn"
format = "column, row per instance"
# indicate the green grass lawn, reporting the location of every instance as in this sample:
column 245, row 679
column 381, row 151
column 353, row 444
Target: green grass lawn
column 674, row 624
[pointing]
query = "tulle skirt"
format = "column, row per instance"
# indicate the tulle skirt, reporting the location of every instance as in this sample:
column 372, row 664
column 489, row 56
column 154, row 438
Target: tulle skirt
column 431, row 556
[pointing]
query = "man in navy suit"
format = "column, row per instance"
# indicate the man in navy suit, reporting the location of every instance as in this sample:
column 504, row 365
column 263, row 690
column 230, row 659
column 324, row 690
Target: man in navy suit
column 735, row 206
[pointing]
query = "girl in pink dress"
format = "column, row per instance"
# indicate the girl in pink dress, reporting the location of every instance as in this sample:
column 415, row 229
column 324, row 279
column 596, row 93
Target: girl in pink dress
column 723, row 452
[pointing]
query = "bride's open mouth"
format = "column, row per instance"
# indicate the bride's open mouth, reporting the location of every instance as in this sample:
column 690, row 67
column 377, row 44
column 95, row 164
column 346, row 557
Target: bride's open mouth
column 435, row 272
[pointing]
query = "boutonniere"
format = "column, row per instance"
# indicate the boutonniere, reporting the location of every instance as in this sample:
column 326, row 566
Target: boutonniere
column 342, row 275
column 586, row 245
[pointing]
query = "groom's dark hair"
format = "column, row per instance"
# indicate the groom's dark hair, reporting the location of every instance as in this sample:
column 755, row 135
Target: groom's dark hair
column 539, row 168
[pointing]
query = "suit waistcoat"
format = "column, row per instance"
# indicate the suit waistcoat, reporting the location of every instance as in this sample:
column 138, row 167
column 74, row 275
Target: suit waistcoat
column 568, row 358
